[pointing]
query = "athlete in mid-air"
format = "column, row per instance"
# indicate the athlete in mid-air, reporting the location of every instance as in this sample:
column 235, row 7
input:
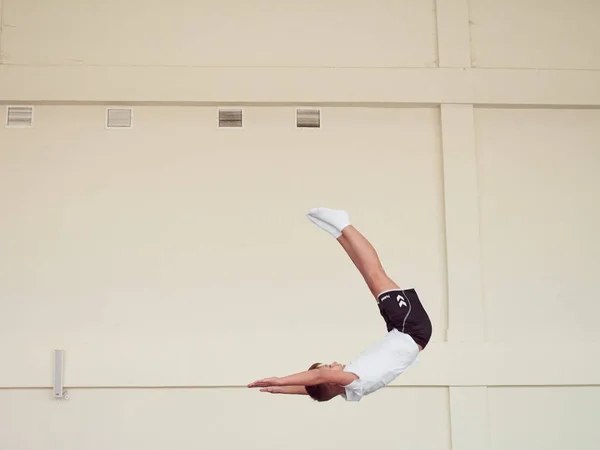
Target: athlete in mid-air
column 408, row 325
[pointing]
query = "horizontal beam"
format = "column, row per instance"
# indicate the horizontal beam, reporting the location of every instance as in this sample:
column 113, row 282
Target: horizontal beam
column 235, row 359
column 265, row 85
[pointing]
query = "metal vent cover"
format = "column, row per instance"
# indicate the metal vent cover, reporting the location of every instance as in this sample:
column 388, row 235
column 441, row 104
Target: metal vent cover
column 19, row 117
column 230, row 118
column 308, row 118
column 119, row 118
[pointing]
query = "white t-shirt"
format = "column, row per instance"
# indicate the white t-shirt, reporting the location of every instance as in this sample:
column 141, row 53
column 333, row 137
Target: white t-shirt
column 379, row 365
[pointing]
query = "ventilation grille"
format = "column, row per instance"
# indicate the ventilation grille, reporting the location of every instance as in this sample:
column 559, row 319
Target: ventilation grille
column 19, row 116
column 119, row 118
column 308, row 118
column 230, row 118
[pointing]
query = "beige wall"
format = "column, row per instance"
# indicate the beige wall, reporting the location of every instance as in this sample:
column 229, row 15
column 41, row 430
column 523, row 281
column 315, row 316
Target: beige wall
column 535, row 34
column 175, row 223
column 539, row 198
column 462, row 136
column 227, row 33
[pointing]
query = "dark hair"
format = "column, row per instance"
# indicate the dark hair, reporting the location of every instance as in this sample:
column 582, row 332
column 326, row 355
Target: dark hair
column 318, row 392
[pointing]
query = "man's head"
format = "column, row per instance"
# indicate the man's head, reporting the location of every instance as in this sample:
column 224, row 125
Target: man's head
column 325, row 391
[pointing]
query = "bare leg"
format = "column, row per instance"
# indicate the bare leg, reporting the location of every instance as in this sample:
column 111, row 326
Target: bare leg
column 366, row 260
column 359, row 249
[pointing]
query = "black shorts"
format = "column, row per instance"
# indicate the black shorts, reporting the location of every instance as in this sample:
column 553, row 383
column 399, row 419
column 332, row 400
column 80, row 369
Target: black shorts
column 402, row 310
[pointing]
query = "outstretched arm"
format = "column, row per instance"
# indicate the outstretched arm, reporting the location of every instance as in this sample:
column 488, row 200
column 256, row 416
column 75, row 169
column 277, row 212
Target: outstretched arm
column 308, row 378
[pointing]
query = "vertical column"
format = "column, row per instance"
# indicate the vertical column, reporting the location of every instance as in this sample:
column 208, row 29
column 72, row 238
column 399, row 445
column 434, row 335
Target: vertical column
column 453, row 31
column 465, row 309
column 469, row 419
column 1, row 28
column 465, row 302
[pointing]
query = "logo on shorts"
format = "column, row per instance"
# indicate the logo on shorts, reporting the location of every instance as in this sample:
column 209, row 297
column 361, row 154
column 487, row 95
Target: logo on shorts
column 385, row 298
column 401, row 301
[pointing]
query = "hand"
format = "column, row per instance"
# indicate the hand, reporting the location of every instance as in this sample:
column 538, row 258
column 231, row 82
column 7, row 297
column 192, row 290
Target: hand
column 275, row 390
column 265, row 382
column 290, row 390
